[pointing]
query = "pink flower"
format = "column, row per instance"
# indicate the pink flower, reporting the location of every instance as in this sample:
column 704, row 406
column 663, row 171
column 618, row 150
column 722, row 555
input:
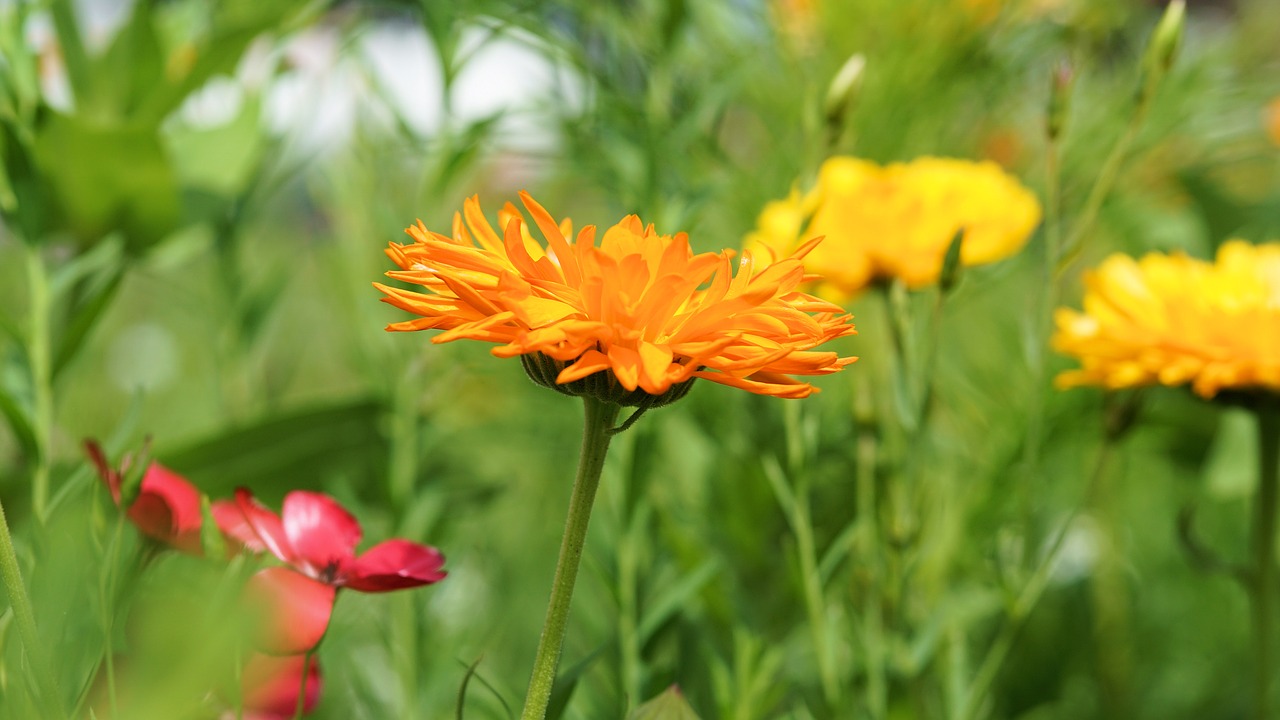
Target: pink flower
column 167, row 507
column 316, row 539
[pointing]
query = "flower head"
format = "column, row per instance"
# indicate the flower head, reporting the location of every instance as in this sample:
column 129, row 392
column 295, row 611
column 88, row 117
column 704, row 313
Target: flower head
column 641, row 308
column 897, row 221
column 166, row 507
column 1173, row 320
column 316, row 539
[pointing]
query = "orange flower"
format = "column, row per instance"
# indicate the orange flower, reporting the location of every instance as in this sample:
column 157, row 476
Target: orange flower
column 641, row 306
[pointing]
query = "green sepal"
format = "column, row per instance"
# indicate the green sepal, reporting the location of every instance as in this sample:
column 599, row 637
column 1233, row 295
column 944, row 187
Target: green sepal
column 950, row 274
column 133, row 470
column 670, row 705
column 211, row 540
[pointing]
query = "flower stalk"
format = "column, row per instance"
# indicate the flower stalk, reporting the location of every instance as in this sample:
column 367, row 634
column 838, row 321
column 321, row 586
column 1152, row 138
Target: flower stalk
column 1261, row 590
column 599, row 417
column 38, row 359
column 11, row 574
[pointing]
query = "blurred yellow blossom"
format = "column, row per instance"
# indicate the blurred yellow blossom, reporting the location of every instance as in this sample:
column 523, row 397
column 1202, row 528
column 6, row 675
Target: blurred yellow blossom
column 1173, row 319
column 897, row 221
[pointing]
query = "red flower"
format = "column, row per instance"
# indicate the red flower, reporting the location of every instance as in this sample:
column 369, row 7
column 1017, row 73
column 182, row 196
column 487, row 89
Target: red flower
column 271, row 685
column 316, row 538
column 167, row 507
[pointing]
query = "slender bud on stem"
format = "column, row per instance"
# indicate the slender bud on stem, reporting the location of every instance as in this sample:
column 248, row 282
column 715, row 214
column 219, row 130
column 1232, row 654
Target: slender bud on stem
column 951, row 264
column 1161, row 50
column 1060, row 88
column 842, row 92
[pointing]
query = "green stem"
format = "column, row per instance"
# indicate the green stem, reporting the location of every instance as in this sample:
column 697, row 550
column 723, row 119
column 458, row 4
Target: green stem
column 41, row 383
column 814, row 602
column 301, row 705
column 1038, row 360
column 1264, row 544
column 11, row 574
column 599, row 417
column 1029, row 597
column 869, row 547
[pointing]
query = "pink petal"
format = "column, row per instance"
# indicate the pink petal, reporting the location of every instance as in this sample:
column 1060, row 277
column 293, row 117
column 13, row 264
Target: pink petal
column 271, row 685
column 266, row 525
column 178, row 493
column 393, row 565
column 235, row 528
column 294, row 609
column 153, row 517
column 322, row 533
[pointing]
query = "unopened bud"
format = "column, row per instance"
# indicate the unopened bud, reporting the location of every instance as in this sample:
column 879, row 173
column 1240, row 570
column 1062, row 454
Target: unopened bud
column 1063, row 82
column 1162, row 48
column 843, row 91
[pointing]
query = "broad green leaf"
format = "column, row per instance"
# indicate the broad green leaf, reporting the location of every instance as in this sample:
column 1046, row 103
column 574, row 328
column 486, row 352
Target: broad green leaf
column 285, row 452
column 670, row 705
column 219, row 161
column 108, row 177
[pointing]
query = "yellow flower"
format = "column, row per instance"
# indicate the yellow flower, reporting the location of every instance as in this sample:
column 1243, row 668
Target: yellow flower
column 640, row 306
column 1174, row 319
column 897, row 221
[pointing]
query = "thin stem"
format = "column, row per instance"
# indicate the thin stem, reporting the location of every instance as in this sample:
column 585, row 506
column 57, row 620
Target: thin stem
column 803, row 526
column 869, row 547
column 1051, row 279
column 598, row 419
column 41, row 383
column 301, row 704
column 1264, row 544
column 1030, row 596
column 11, row 574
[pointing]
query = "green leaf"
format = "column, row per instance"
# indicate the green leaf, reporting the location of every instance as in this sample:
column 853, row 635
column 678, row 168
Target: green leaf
column 129, row 71
column 108, row 177
column 670, row 705
column 286, row 452
column 88, row 309
column 19, row 422
column 675, row 597
column 221, row 160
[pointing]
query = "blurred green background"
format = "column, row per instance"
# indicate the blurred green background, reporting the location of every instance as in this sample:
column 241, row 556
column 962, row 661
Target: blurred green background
column 206, row 189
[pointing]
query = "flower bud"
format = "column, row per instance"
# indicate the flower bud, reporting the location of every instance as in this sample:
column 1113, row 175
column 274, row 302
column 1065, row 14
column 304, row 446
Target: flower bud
column 951, row 263
column 842, row 92
column 1162, row 49
column 1063, row 82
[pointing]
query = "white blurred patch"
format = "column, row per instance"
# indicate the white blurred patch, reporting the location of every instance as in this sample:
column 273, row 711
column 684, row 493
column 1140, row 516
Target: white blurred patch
column 406, row 68
column 510, row 73
column 142, row 357
column 1079, row 552
column 100, row 20
column 214, row 105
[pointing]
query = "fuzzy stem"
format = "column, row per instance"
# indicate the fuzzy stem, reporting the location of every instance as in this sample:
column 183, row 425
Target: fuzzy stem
column 599, row 417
